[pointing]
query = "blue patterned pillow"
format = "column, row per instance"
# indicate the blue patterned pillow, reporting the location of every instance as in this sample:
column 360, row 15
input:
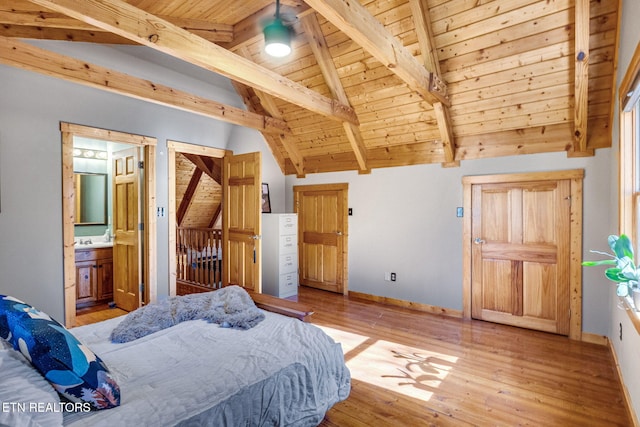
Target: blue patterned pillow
column 71, row 368
column 5, row 304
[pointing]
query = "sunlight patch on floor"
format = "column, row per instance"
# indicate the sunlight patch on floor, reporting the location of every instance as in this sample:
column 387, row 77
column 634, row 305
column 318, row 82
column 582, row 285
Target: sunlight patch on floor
column 410, row 371
column 407, row 370
column 348, row 340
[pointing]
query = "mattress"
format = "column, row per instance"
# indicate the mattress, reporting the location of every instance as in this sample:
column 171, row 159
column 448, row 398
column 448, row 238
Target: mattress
column 282, row 372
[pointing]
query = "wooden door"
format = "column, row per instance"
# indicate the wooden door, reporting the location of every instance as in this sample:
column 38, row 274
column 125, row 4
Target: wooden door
column 521, row 234
column 126, row 225
column 241, row 221
column 105, row 280
column 322, row 235
column 85, row 283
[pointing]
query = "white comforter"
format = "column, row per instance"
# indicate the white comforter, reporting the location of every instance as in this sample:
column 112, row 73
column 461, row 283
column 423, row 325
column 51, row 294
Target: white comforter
column 281, row 372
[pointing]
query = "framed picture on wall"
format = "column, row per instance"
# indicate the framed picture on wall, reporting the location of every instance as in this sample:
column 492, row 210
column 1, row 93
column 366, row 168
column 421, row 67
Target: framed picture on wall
column 266, row 202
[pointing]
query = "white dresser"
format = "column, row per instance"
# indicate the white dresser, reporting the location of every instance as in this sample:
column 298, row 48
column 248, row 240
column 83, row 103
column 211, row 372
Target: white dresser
column 280, row 255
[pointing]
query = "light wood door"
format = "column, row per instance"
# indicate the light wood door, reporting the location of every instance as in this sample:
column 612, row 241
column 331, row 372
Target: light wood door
column 85, row 282
column 241, row 221
column 322, row 235
column 521, row 254
column 126, row 224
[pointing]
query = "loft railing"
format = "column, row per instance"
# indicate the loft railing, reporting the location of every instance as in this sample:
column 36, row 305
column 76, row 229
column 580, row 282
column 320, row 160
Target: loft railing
column 199, row 256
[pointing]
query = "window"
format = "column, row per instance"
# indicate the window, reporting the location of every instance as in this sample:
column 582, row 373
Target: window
column 630, row 150
column 629, row 206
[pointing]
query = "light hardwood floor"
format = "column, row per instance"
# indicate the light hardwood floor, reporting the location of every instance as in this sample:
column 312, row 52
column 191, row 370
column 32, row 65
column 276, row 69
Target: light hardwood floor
column 97, row 314
column 416, row 369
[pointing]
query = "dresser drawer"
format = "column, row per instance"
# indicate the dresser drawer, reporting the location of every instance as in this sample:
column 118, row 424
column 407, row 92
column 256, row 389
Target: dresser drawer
column 288, row 281
column 288, row 263
column 288, row 285
column 93, row 254
column 288, row 224
column 288, row 244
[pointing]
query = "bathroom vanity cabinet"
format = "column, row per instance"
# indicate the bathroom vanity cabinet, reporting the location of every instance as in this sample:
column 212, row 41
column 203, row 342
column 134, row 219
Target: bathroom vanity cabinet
column 94, row 276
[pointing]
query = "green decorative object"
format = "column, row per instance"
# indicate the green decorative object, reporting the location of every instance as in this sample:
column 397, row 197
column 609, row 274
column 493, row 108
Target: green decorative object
column 625, row 273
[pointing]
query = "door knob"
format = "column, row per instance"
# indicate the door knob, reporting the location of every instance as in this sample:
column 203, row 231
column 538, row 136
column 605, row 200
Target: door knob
column 338, row 233
column 479, row 241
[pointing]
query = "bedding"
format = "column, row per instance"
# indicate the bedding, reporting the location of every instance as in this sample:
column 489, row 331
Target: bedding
column 230, row 307
column 281, row 372
column 72, row 369
column 27, row 399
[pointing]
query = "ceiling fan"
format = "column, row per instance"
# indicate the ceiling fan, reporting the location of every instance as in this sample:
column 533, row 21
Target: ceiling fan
column 278, row 33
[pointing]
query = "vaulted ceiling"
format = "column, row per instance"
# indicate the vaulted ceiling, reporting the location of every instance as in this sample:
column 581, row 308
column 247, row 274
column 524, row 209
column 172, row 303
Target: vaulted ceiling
column 369, row 84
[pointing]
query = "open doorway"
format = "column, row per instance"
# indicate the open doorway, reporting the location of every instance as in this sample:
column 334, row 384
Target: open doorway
column 239, row 244
column 195, row 217
column 92, row 278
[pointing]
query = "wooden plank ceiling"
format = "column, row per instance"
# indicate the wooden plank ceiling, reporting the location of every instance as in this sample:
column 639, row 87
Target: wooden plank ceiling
column 198, row 191
column 369, row 84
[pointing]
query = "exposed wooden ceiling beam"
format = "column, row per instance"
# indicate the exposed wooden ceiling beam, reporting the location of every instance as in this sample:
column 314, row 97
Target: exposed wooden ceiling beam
column 324, row 59
column 128, row 21
column 252, row 103
column 45, row 33
column 581, row 79
column 215, row 216
column 206, row 165
column 446, row 134
column 422, row 22
column 26, row 14
column 262, row 103
column 187, row 198
column 355, row 21
column 265, row 104
column 26, row 56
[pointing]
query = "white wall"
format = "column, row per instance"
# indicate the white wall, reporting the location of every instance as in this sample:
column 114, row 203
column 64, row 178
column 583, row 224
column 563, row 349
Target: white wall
column 244, row 140
column 627, row 349
column 31, row 108
column 404, row 220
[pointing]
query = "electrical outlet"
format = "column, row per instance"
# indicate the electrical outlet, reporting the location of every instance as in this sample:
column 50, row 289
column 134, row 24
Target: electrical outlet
column 620, row 325
column 393, row 277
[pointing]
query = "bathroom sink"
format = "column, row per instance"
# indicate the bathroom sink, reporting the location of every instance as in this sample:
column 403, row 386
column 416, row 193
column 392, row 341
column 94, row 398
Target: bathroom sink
column 94, row 244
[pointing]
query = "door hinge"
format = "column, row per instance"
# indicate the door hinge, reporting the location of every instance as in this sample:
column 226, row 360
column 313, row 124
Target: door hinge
column 141, row 287
column 141, row 226
column 141, row 164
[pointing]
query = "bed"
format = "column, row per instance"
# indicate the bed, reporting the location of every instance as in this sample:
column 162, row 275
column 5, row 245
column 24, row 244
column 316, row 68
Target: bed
column 280, row 372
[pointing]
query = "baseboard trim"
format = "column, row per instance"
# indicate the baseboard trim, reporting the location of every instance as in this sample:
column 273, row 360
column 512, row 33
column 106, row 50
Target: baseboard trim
column 594, row 338
column 625, row 392
column 407, row 304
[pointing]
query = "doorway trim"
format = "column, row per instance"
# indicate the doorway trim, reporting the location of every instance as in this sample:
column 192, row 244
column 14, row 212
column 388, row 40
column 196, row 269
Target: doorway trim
column 344, row 224
column 174, row 147
column 69, row 131
column 575, row 267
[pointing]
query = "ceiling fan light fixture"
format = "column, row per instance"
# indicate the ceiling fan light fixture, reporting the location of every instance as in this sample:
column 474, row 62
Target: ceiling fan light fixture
column 277, row 38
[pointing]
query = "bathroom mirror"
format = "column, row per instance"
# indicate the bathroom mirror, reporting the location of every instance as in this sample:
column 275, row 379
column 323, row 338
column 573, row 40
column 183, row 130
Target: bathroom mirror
column 91, row 198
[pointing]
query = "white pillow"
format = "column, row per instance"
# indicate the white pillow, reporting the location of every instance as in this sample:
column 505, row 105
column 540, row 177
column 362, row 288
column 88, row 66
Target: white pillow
column 26, row 398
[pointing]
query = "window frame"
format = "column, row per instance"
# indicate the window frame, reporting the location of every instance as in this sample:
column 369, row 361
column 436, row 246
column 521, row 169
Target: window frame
column 629, row 163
